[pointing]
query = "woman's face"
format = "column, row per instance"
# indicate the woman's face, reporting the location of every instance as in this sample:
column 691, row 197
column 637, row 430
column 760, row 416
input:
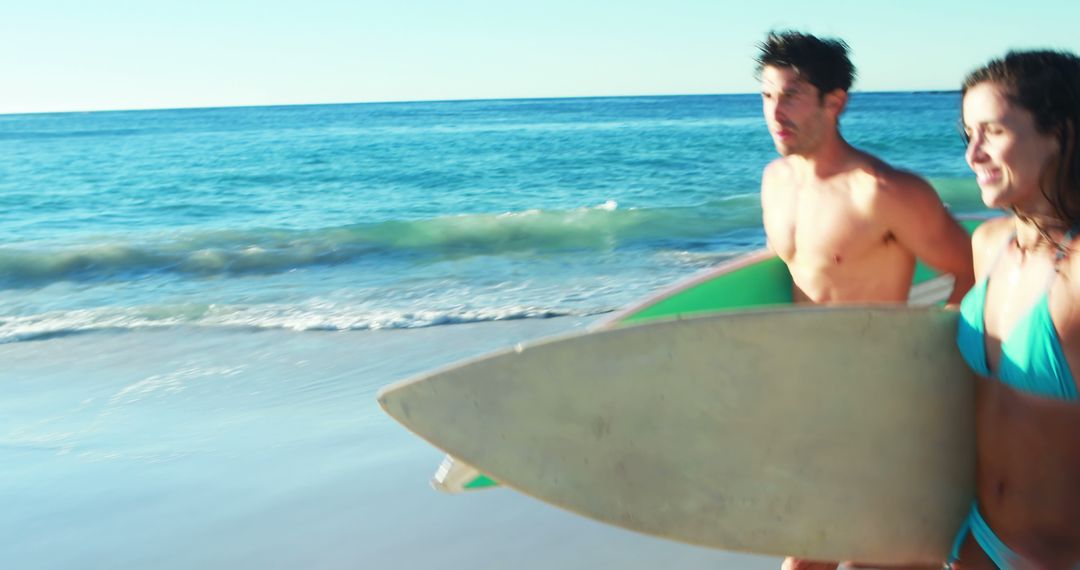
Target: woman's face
column 1006, row 152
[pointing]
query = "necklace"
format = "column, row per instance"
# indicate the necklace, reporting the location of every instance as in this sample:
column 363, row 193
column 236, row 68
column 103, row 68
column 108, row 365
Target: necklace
column 1043, row 238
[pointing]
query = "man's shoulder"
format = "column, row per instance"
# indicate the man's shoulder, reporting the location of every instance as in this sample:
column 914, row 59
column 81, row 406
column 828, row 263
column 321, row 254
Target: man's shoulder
column 884, row 182
column 881, row 175
column 775, row 180
column 779, row 167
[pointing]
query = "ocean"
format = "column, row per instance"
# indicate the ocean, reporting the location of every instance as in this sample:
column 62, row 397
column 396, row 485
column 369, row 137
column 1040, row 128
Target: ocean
column 197, row 307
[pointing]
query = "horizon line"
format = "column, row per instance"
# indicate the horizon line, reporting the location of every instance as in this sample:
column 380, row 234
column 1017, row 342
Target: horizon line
column 408, row 101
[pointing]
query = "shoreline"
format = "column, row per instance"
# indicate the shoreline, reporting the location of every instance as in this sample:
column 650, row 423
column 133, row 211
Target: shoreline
column 175, row 448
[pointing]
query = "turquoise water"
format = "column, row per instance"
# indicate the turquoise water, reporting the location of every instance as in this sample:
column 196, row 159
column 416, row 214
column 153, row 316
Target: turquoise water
column 198, row 306
column 396, row 215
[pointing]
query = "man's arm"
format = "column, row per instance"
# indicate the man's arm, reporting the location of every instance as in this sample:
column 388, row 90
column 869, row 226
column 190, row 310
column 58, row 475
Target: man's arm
column 778, row 218
column 913, row 212
column 775, row 215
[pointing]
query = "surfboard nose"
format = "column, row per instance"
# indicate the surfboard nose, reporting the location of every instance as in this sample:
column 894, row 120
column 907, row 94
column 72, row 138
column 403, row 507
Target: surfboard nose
column 390, row 401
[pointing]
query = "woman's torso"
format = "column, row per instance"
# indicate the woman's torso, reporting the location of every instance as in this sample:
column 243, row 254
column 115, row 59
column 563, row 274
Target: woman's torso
column 1028, row 421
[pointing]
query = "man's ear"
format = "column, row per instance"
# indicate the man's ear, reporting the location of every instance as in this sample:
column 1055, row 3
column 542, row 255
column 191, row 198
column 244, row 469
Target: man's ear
column 835, row 102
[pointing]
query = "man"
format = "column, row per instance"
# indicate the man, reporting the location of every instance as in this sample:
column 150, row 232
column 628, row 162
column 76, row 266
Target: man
column 848, row 225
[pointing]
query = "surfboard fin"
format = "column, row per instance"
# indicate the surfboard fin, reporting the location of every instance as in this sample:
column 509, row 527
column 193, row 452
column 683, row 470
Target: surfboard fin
column 455, row 476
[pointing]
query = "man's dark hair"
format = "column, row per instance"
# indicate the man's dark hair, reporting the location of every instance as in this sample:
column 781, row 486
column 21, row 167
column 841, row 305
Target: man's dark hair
column 822, row 63
column 1046, row 84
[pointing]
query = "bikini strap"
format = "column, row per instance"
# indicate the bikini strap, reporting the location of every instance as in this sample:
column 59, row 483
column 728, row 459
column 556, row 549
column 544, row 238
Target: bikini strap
column 1063, row 247
column 1001, row 251
column 1062, row 253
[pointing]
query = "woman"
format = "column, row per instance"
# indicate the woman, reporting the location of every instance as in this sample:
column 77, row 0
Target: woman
column 1020, row 324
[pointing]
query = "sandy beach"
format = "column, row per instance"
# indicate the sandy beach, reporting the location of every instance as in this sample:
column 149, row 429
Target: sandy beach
column 288, row 462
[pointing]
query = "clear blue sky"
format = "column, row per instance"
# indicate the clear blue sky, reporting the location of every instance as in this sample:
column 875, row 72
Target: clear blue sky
column 63, row 55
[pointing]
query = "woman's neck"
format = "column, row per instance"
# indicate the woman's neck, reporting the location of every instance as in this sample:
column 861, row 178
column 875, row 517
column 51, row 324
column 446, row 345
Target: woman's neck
column 1036, row 232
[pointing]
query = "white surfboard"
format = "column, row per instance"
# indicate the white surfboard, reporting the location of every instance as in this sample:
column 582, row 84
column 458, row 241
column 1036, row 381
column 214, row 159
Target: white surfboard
column 824, row 433
column 766, row 283
column 755, row 279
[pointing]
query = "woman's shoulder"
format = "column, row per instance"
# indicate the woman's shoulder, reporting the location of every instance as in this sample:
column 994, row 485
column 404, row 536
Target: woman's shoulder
column 989, row 230
column 987, row 241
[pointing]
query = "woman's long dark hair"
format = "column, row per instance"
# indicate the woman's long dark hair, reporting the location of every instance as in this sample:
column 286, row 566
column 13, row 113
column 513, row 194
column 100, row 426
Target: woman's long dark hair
column 1046, row 84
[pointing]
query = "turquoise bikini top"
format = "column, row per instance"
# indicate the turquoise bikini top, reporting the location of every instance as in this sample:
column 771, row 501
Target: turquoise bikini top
column 1031, row 357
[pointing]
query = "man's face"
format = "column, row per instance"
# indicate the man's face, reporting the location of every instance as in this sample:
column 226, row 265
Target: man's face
column 796, row 115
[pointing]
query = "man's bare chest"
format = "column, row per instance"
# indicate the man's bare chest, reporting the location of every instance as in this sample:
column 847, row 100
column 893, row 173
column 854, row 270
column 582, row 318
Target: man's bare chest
column 827, row 228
